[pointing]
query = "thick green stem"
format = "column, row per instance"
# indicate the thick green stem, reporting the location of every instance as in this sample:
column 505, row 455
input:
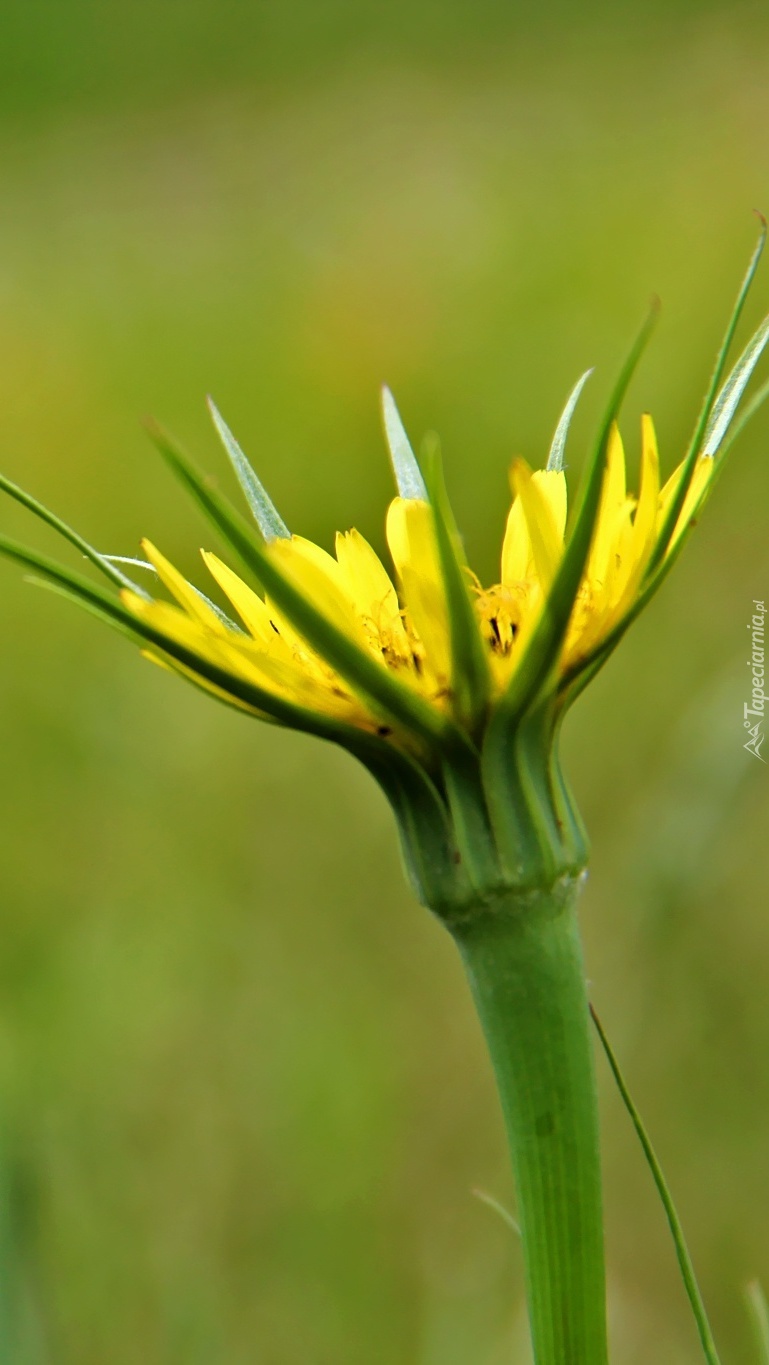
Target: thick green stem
column 523, row 959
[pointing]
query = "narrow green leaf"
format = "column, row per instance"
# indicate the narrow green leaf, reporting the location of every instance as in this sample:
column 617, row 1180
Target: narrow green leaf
column 104, row 563
column 365, row 674
column 759, row 1316
column 555, row 458
column 698, row 435
column 470, row 673
column 408, row 476
column 266, row 515
column 726, row 403
column 682, row 1251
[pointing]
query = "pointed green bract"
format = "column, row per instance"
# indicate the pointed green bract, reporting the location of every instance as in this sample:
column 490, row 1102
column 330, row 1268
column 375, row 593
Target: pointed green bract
column 265, row 514
column 698, row 435
column 362, row 671
column 542, row 651
column 470, row 673
column 682, row 1251
column 575, row 680
column 408, row 475
column 728, row 399
column 557, row 449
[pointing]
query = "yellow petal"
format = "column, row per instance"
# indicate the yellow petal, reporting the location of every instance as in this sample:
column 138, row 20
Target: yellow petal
column 411, row 538
column 251, row 609
column 319, row 579
column 518, row 563
column 641, row 542
column 612, row 511
column 540, row 511
column 183, row 591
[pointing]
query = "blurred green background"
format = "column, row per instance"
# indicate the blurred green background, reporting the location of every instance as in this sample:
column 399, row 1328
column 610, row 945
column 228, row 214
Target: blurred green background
column 243, row 1098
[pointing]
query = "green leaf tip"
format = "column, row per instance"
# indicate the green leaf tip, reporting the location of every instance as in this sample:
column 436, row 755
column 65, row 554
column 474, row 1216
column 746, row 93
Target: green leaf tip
column 728, row 399
column 557, row 449
column 759, row 1314
column 265, row 514
column 408, row 475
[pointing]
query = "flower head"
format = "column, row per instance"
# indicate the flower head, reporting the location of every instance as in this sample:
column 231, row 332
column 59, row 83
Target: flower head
column 450, row 690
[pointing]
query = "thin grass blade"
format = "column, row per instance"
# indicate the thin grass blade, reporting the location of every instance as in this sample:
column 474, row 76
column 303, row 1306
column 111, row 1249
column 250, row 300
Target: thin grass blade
column 104, row 563
column 682, row 1251
column 496, row 1207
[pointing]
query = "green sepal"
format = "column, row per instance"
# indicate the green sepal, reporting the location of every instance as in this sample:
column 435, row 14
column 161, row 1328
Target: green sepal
column 408, row 475
column 263, row 510
column 380, row 689
column 470, row 672
column 558, row 446
column 710, row 399
column 434, row 864
column 729, row 397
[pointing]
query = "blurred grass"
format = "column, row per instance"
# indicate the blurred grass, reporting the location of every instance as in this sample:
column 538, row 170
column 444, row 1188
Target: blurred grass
column 240, row 1081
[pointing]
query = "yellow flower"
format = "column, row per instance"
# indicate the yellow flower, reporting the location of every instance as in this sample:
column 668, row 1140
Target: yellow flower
column 450, row 691
column 404, row 622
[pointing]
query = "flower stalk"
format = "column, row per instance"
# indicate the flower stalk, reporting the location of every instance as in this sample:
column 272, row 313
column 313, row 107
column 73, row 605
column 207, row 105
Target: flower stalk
column 523, row 961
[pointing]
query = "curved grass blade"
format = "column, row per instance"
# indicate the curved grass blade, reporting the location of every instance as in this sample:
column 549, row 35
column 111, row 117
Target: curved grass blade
column 759, row 1316
column 471, row 678
column 104, row 563
column 494, row 1204
column 408, row 475
column 674, row 1222
column 698, row 435
column 555, row 458
column 265, row 514
column 362, row 671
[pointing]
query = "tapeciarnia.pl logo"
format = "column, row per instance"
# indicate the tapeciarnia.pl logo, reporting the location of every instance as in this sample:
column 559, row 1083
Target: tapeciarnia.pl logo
column 753, row 711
